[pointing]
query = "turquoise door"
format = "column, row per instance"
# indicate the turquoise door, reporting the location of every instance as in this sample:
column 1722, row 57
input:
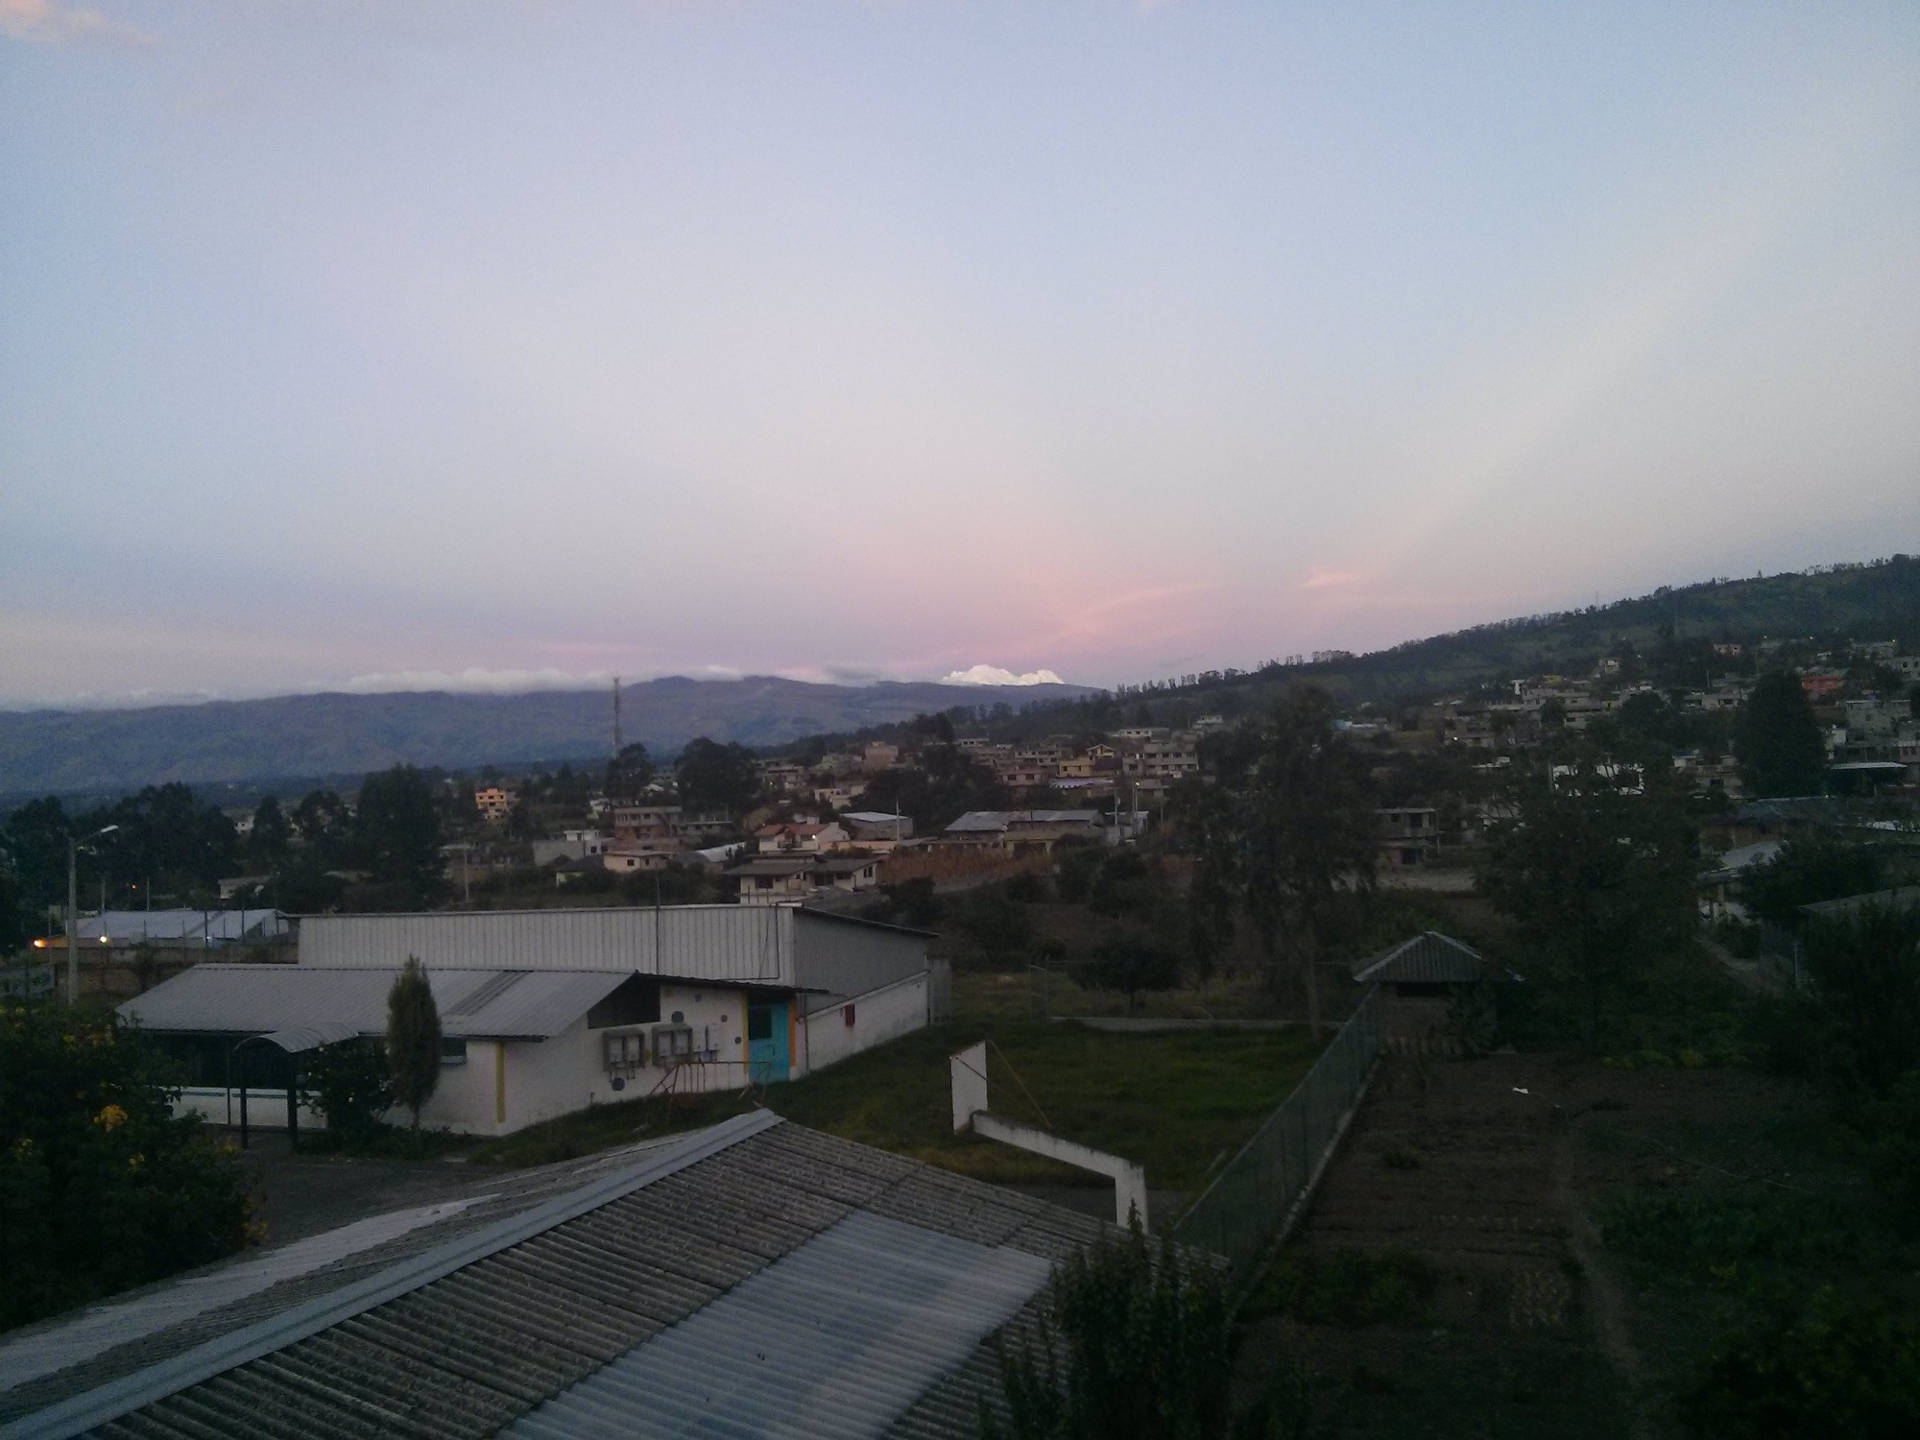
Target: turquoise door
column 767, row 1057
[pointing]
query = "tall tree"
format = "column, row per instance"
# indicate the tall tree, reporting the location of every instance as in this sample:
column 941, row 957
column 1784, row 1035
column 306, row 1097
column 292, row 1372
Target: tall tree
column 1298, row 837
column 398, row 832
column 1601, row 882
column 325, row 827
column 1817, row 865
column 413, row 1038
column 1776, row 740
column 712, row 776
column 271, row 835
column 36, row 838
column 1310, row 833
column 629, row 772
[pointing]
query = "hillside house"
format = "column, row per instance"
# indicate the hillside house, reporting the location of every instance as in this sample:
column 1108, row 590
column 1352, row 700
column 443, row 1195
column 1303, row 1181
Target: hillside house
column 800, row 838
column 572, row 845
column 1018, row 776
column 874, row 829
column 1162, row 760
column 784, row 777
column 650, row 821
column 1018, row 832
column 495, row 803
column 639, row 857
column 791, row 879
column 1409, row 836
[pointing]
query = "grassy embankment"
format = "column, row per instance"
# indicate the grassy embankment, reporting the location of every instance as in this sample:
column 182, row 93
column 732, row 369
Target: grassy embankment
column 1181, row 1104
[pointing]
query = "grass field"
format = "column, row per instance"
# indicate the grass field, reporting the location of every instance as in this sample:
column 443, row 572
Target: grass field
column 1180, row 1104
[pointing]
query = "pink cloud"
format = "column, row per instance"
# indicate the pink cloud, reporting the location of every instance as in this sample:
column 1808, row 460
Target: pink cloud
column 1320, row 578
column 44, row 22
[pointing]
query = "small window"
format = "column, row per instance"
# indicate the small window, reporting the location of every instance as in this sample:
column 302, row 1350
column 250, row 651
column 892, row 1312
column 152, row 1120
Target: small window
column 453, row 1050
column 759, row 1022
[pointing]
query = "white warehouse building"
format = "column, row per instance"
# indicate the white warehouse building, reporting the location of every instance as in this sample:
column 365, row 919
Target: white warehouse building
column 544, row 1012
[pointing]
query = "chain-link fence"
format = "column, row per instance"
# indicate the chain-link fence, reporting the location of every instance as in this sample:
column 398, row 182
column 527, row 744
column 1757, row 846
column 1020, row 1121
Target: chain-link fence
column 1250, row 1198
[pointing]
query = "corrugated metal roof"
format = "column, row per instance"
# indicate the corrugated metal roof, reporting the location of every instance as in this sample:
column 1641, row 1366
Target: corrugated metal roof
column 991, row 820
column 188, row 926
column 46, row 1352
column 481, row 1331
column 1902, row 898
column 1429, row 958
column 474, row 1004
column 281, row 1333
column 835, row 1339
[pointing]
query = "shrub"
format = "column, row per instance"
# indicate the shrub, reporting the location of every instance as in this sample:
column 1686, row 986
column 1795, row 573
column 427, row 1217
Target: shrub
column 1130, row 964
column 1838, row 1366
column 351, row 1084
column 101, row 1187
column 1028, row 889
column 1346, row 1287
column 1136, row 1344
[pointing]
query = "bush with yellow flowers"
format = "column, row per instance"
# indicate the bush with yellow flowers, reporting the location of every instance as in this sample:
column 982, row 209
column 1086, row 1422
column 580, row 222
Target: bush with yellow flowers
column 101, row 1186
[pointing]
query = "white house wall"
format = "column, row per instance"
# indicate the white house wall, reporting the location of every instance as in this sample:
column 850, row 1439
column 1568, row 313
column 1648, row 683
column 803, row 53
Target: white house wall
column 878, row 1016
column 463, row 1101
column 568, row 1072
column 744, row 944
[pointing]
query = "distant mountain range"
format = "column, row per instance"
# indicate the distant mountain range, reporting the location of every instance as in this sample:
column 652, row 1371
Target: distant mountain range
column 63, row 751
column 302, row 736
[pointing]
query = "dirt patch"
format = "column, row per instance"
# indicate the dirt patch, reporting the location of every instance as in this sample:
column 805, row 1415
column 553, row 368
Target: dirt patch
column 1495, row 1175
column 1464, row 1169
column 300, row 1195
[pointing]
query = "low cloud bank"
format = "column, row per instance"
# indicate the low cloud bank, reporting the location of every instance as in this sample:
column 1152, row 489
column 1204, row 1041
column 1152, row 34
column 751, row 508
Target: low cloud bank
column 473, row 681
column 994, row 675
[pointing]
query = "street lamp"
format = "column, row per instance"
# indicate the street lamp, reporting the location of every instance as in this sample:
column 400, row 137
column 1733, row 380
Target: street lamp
column 73, row 908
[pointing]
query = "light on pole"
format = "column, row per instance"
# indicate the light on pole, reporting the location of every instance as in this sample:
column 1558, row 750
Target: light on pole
column 73, row 909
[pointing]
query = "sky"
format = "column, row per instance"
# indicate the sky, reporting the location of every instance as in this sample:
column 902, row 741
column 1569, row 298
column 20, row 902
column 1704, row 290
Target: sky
column 519, row 344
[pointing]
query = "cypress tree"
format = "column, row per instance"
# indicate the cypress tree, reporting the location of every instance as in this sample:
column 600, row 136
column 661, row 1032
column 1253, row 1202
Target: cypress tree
column 1776, row 740
column 413, row 1038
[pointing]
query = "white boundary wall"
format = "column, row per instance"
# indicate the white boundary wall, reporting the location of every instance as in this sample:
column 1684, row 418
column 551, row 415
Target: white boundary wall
column 878, row 1016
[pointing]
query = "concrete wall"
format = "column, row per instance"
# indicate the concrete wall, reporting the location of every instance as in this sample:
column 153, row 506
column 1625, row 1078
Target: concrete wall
column 878, row 1016
column 266, row 1109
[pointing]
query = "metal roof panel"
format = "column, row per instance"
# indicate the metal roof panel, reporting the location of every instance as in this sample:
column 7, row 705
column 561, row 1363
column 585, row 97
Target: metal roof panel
column 838, row 1338
column 259, row 999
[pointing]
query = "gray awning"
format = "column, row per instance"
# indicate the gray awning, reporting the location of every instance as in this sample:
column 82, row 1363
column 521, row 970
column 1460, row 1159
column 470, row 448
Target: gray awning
column 302, row 1038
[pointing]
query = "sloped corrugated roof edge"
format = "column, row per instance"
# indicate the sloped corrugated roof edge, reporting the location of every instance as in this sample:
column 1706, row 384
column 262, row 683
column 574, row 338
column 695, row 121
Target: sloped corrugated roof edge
column 96, row 1407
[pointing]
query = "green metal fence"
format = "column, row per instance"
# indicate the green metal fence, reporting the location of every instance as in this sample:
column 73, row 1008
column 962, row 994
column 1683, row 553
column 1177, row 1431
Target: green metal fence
column 1250, row 1198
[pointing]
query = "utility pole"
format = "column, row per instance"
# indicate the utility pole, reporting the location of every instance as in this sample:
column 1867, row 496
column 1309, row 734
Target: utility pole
column 616, row 716
column 73, row 908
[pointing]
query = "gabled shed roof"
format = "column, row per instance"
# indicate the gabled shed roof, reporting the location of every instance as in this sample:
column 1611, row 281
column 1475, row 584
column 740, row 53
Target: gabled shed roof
column 1429, row 958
